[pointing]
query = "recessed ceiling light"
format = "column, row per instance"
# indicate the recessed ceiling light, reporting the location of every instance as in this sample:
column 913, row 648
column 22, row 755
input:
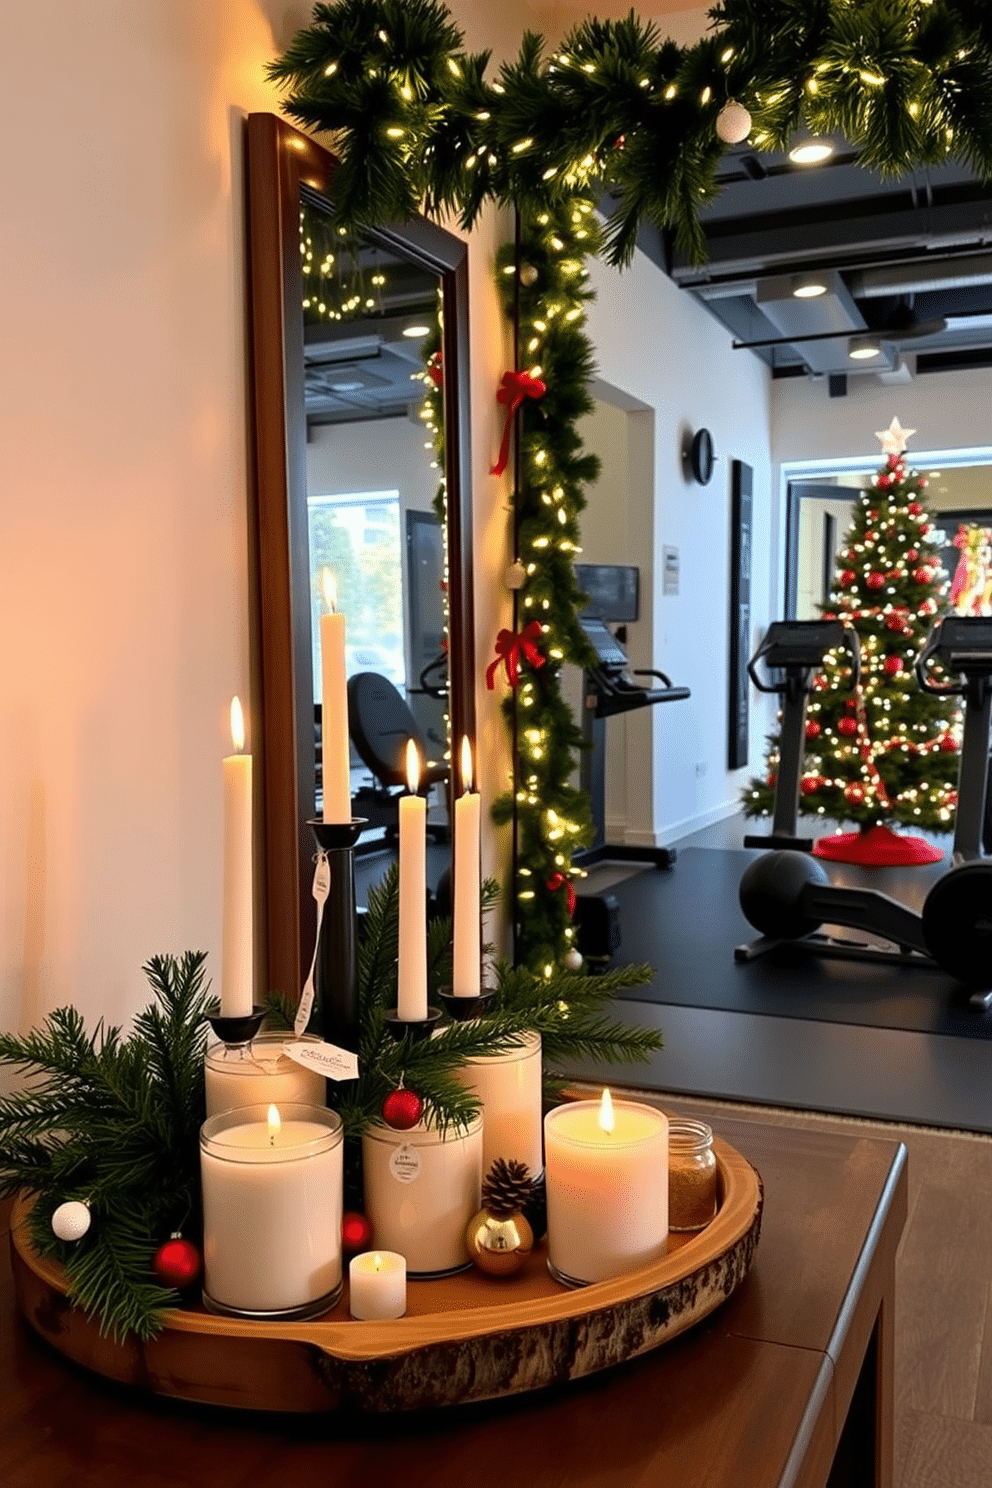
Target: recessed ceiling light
column 811, row 152
column 809, row 291
column 413, row 331
column 862, row 349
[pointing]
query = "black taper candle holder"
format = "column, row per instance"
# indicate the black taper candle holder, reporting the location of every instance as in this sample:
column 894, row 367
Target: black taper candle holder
column 462, row 1009
column 336, row 969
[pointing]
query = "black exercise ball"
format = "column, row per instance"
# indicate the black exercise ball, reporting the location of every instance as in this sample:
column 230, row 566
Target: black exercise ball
column 771, row 894
column 957, row 923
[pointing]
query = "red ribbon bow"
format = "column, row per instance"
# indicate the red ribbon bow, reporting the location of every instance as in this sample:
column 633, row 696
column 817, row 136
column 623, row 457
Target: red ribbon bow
column 555, row 882
column 513, row 389
column 509, row 647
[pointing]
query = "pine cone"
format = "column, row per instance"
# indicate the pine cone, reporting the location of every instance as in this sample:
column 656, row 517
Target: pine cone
column 506, row 1188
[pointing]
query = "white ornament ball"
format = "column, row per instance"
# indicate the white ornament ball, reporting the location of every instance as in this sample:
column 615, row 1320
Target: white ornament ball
column 573, row 959
column 515, row 575
column 528, row 274
column 71, row 1220
column 733, row 123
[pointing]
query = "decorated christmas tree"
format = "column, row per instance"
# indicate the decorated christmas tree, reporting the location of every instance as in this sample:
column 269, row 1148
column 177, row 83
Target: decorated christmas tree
column 884, row 752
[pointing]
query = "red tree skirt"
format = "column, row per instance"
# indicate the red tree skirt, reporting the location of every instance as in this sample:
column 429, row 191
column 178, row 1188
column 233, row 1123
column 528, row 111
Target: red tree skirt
column 877, row 848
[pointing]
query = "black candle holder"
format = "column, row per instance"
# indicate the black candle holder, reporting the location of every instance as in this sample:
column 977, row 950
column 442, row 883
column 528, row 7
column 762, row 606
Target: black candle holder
column 414, row 1029
column 336, row 964
column 236, row 1031
column 464, row 1009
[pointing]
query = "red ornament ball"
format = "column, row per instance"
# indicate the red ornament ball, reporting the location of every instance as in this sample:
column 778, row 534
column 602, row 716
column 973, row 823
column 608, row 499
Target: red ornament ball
column 177, row 1263
column 847, row 578
column 812, row 730
column 947, row 744
column 847, row 726
column 922, row 575
column 895, row 621
column 356, row 1232
column 854, row 793
column 912, row 554
column 892, row 666
column 809, row 784
column 915, row 509
column 875, row 580
column 772, row 777
column 402, row 1109
column 884, row 481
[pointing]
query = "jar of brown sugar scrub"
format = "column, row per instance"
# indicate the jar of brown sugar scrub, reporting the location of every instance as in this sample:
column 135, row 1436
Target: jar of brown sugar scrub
column 691, row 1174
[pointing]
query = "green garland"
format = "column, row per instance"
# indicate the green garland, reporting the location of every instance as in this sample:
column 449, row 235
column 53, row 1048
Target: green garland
column 419, row 128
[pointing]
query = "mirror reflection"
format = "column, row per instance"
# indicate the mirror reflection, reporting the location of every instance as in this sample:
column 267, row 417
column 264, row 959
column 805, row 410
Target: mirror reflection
column 374, row 500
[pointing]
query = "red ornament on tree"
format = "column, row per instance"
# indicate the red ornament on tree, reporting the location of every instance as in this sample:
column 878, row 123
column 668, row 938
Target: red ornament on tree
column 915, row 509
column 884, row 481
column 892, row 666
column 947, row 744
column 854, row 793
column 922, row 576
column 847, row 726
column 812, row 730
column 356, row 1232
column 875, row 580
column 402, row 1109
column 809, row 784
column 177, row 1263
column 847, row 578
column 895, row 621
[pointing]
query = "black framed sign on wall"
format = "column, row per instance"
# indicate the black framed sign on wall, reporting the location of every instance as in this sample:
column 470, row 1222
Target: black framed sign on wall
column 741, row 483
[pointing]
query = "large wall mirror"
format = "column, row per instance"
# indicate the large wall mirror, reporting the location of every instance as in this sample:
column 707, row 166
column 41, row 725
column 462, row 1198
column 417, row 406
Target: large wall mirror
column 343, row 478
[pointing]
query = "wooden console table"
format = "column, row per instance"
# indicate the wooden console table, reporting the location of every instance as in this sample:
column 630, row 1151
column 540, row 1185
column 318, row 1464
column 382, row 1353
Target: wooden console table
column 789, row 1384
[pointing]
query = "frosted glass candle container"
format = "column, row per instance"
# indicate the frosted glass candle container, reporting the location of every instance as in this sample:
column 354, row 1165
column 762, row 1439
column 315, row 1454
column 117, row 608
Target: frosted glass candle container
column 509, row 1087
column 377, row 1285
column 607, row 1191
column 421, row 1190
column 272, row 1211
column 260, row 1074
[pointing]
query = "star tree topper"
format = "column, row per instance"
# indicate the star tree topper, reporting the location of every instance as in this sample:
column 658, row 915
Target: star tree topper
column 893, row 438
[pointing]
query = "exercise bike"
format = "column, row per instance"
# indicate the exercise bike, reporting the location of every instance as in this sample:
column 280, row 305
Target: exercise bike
column 787, row 896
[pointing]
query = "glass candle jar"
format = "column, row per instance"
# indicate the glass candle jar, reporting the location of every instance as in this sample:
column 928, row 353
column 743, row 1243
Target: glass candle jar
column 692, row 1195
column 255, row 1074
column 421, row 1189
column 509, row 1087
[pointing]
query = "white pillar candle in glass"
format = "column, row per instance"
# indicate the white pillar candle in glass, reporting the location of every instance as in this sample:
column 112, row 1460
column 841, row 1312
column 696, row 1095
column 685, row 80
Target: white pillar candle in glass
column 335, row 746
column 272, row 1202
column 607, row 1181
column 421, row 1190
column 377, row 1285
column 237, row 943
column 509, row 1087
column 467, row 935
column 412, row 969
column 260, row 1074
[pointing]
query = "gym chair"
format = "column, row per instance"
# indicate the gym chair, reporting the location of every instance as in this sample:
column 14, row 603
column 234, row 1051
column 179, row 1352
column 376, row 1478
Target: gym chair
column 787, row 896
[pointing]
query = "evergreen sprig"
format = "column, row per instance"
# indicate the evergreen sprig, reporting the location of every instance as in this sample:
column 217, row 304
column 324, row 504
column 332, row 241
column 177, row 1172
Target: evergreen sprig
column 113, row 1121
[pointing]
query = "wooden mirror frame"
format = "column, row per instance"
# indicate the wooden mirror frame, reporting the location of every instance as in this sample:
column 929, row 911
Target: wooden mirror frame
column 283, row 167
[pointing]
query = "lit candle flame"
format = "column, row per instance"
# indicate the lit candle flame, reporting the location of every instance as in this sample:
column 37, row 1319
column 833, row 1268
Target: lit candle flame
column 606, row 1120
column 330, row 590
column 275, row 1124
column 237, row 725
column 378, row 1261
column 466, row 764
column 412, row 766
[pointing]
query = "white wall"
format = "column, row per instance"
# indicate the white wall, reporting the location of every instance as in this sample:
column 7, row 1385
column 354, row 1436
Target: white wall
column 658, row 349
column 124, row 617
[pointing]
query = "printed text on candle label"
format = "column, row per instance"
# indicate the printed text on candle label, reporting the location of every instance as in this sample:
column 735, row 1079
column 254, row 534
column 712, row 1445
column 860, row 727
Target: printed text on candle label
column 325, row 1059
column 405, row 1164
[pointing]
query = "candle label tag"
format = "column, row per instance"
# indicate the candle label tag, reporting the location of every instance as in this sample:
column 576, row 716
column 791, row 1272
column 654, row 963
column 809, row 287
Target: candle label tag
column 404, row 1164
column 325, row 1059
column 321, row 889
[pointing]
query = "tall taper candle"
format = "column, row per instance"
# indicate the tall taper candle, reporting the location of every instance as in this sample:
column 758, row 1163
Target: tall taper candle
column 411, row 1002
column 467, row 950
column 237, row 979
column 335, row 749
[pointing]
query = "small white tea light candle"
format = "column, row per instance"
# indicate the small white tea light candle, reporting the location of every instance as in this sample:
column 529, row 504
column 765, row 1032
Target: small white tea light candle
column 335, row 748
column 272, row 1200
column 467, row 935
column 607, row 1182
column 237, row 937
column 377, row 1285
column 412, row 970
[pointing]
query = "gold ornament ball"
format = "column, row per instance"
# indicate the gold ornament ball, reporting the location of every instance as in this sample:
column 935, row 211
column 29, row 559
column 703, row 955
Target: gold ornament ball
column 499, row 1246
column 528, row 274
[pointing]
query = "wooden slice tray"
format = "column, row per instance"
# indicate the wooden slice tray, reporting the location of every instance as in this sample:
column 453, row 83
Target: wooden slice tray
column 467, row 1338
